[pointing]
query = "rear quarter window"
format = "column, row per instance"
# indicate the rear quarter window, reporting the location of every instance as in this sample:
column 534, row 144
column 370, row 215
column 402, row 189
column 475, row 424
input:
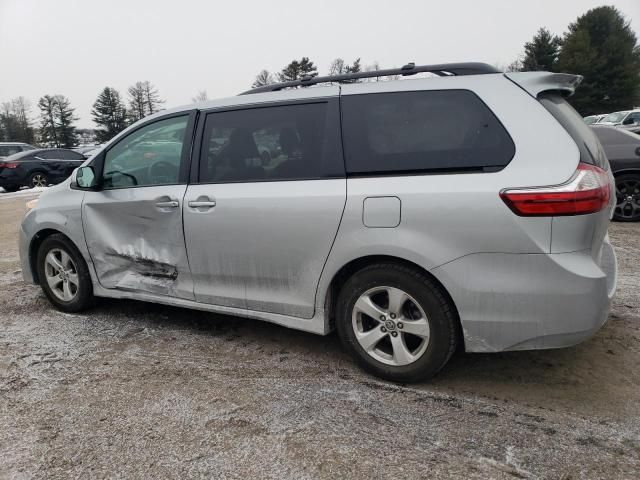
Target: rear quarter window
column 405, row 132
column 590, row 149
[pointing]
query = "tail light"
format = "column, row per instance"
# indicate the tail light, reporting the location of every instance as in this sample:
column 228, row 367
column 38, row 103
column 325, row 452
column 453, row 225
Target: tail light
column 8, row 165
column 588, row 191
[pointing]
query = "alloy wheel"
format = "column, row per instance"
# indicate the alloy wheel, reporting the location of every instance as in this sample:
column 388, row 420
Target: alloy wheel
column 390, row 326
column 39, row 180
column 628, row 198
column 61, row 274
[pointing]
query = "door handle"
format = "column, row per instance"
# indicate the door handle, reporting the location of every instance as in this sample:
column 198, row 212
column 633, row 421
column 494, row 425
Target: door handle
column 202, row 204
column 169, row 204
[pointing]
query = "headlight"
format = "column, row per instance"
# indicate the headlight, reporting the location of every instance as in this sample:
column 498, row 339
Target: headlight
column 31, row 204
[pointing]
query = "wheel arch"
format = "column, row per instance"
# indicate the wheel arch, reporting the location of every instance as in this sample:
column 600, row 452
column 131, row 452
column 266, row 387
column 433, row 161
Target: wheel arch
column 34, row 246
column 624, row 171
column 354, row 265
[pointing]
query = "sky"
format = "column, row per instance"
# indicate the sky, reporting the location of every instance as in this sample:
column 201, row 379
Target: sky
column 77, row 47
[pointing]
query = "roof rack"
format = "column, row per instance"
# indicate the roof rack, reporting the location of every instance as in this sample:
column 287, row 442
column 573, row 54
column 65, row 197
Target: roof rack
column 442, row 70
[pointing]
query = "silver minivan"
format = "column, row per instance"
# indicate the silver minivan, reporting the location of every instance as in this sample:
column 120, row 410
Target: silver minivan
column 466, row 208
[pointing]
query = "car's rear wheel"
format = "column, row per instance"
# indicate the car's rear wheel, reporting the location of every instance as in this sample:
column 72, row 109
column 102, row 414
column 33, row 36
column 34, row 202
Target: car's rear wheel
column 64, row 275
column 627, row 198
column 11, row 188
column 38, row 179
column 396, row 322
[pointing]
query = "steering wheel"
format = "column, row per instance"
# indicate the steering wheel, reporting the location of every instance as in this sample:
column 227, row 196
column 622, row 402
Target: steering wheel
column 115, row 172
column 163, row 169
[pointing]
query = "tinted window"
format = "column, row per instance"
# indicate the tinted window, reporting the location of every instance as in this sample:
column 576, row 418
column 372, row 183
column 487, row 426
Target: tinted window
column 71, row 155
column 589, row 146
column 6, row 150
column 270, row 143
column 150, row 155
column 418, row 131
column 49, row 154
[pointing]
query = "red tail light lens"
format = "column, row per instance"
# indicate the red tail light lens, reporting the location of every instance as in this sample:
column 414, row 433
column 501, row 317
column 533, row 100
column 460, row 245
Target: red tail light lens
column 588, row 191
column 8, row 165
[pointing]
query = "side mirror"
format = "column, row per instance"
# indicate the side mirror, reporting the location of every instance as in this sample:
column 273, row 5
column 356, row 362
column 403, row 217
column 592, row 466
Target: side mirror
column 86, row 178
column 628, row 121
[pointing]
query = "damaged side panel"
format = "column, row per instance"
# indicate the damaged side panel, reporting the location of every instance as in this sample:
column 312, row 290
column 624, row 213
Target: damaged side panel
column 136, row 241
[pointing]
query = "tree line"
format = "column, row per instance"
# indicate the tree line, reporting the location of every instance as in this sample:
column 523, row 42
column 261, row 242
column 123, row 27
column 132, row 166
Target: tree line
column 304, row 67
column 602, row 47
column 56, row 119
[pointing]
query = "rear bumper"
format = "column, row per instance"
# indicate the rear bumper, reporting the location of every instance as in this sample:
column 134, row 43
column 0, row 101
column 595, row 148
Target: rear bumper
column 530, row 301
column 9, row 177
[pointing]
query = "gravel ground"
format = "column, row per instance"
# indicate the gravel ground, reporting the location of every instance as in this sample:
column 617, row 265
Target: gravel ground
column 131, row 389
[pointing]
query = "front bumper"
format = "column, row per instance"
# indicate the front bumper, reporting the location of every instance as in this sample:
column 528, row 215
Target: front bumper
column 25, row 263
column 530, row 301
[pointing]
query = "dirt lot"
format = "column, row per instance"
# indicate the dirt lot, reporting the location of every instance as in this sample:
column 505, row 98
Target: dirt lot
column 141, row 390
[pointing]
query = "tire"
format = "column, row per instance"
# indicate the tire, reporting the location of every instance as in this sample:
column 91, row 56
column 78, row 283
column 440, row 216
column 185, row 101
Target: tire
column 75, row 270
column 38, row 179
column 627, row 198
column 423, row 300
column 11, row 188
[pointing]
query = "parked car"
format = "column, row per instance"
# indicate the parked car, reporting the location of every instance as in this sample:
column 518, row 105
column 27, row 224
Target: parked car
column 412, row 216
column 591, row 119
column 623, row 151
column 38, row 168
column 9, row 148
column 628, row 119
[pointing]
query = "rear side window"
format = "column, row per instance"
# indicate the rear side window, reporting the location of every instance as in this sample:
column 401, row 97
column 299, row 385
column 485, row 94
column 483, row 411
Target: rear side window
column 6, row 150
column 422, row 131
column 590, row 149
column 71, row 155
column 280, row 142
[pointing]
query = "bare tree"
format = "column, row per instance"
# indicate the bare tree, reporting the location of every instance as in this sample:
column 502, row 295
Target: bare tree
column 144, row 100
column 337, row 67
column 15, row 121
column 200, row 97
column 262, row 79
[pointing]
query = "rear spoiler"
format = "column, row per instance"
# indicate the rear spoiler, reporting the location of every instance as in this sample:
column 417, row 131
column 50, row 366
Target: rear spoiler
column 535, row 83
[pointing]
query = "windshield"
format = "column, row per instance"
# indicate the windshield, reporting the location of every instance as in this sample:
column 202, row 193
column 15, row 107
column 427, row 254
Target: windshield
column 615, row 117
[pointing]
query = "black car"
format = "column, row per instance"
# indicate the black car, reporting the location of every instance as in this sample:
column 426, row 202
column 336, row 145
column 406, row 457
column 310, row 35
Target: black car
column 38, row 168
column 623, row 150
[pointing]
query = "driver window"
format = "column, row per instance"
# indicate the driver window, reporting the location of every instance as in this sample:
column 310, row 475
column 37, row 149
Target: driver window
column 149, row 156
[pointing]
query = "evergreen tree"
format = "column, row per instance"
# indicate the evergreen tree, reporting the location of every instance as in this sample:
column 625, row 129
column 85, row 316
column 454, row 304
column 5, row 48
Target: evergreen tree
column 56, row 121
column 65, row 116
column 541, row 53
column 601, row 46
column 298, row 69
column 262, row 79
column 48, row 130
column 339, row 67
column 109, row 114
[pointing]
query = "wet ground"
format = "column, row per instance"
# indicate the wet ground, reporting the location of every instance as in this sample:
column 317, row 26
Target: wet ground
column 131, row 389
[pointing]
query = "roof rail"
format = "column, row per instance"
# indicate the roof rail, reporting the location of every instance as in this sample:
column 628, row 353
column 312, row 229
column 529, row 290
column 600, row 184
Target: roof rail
column 442, row 69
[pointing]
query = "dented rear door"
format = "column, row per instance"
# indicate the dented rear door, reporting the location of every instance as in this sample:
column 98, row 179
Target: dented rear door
column 133, row 225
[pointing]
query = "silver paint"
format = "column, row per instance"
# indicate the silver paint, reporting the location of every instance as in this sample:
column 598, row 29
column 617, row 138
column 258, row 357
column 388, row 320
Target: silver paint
column 271, row 250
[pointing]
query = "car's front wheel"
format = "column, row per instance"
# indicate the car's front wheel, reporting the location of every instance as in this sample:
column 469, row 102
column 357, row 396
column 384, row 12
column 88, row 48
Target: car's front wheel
column 396, row 322
column 627, row 198
column 64, row 275
column 11, row 188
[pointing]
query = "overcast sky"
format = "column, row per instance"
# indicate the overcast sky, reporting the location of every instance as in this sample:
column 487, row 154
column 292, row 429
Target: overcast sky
column 77, row 47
